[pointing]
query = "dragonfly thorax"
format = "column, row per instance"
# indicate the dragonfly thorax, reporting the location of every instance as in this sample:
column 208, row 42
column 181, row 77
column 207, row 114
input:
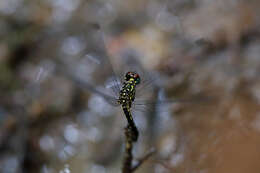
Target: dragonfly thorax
column 127, row 93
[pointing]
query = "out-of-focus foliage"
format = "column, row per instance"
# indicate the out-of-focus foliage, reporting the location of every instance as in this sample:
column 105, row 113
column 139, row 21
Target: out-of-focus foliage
column 212, row 48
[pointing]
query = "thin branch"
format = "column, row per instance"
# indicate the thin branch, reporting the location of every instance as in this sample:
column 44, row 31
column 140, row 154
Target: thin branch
column 143, row 159
column 128, row 158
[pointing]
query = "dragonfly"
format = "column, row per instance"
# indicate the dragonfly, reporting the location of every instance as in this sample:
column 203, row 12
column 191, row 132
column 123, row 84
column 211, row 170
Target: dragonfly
column 121, row 90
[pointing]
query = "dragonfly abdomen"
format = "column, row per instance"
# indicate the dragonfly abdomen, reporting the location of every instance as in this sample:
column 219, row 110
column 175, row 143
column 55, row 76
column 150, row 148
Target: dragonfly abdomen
column 131, row 123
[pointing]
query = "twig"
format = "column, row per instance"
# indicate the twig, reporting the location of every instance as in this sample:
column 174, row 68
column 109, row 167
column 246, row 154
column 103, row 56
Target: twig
column 128, row 158
column 143, row 159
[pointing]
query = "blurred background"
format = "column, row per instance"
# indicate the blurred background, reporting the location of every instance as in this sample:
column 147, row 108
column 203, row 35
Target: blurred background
column 49, row 124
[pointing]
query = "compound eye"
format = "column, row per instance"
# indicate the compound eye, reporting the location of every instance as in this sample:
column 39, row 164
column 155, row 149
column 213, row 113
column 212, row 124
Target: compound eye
column 127, row 76
column 137, row 79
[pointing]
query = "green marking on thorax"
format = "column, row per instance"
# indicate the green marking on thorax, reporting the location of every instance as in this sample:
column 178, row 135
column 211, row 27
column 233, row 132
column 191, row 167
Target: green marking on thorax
column 127, row 94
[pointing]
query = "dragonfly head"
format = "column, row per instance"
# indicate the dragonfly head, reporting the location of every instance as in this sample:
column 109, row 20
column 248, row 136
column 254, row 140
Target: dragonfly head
column 133, row 76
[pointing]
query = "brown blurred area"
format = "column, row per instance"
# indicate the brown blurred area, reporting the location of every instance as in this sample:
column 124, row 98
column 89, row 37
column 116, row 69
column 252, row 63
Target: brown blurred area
column 211, row 48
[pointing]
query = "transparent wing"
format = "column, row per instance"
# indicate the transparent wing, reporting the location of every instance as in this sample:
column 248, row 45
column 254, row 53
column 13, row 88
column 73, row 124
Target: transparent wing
column 83, row 84
column 88, row 65
column 159, row 100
